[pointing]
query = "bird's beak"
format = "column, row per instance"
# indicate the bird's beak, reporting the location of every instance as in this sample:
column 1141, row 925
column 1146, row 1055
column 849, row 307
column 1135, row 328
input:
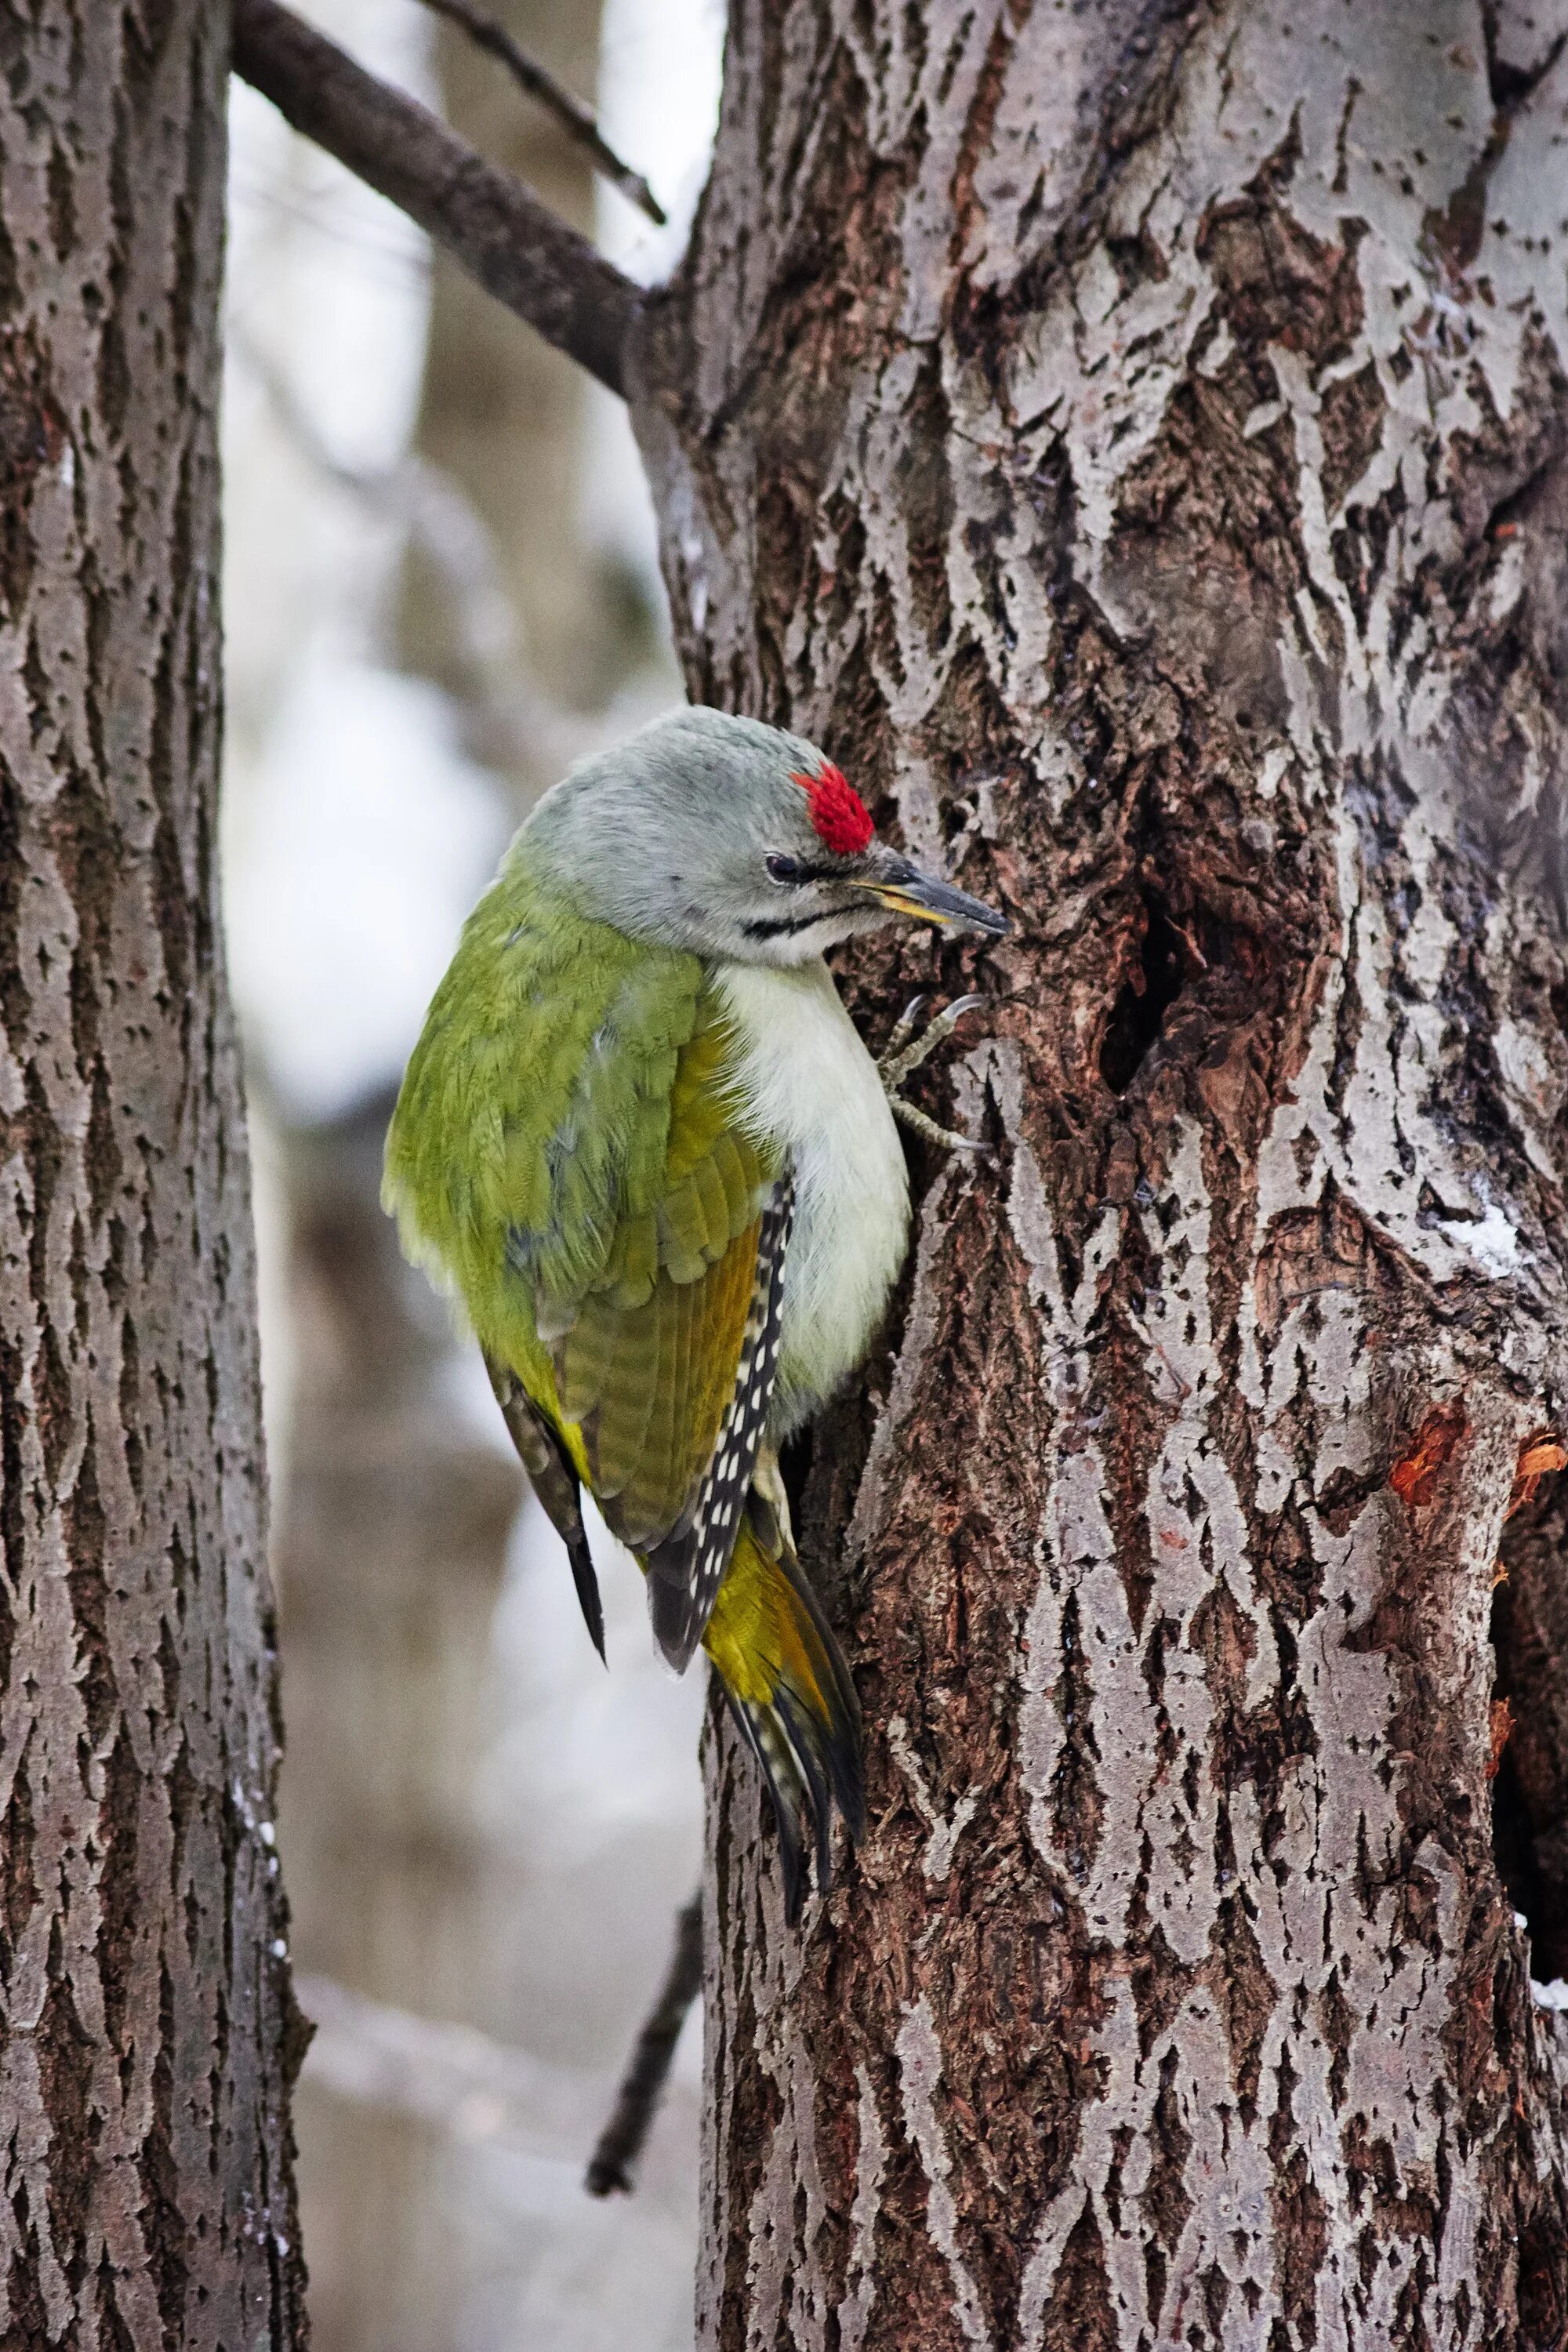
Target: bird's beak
column 904, row 889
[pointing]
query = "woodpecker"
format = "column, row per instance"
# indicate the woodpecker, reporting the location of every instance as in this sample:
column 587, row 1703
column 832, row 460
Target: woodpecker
column 643, row 1145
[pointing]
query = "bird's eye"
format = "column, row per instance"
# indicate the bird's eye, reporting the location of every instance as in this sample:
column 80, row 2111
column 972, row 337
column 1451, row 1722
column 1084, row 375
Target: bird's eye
column 781, row 868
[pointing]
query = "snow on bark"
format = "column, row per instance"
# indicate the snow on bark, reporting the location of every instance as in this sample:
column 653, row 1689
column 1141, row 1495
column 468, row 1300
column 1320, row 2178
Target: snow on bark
column 1135, row 444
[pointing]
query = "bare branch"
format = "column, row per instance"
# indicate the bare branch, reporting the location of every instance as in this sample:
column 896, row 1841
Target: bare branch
column 487, row 220
column 570, row 113
column 642, row 2086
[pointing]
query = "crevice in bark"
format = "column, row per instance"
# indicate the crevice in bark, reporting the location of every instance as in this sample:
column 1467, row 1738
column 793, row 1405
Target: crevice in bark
column 1530, row 1887
column 1509, row 84
column 1139, row 1013
column 1529, row 1787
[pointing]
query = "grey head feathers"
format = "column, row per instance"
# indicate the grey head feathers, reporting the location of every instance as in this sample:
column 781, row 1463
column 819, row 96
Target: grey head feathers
column 700, row 832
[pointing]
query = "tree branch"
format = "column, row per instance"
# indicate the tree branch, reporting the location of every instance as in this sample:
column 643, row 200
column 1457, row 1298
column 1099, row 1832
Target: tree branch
column 642, row 2086
column 574, row 117
column 487, row 220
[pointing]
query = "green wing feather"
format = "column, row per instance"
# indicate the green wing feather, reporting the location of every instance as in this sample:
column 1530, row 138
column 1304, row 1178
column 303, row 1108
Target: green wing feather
column 566, row 1153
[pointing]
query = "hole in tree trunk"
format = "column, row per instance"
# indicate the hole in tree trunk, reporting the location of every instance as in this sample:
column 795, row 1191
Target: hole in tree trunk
column 1513, row 1844
column 1139, row 1013
column 1530, row 1789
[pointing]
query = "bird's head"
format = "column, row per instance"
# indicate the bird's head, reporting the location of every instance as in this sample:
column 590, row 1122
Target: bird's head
column 729, row 838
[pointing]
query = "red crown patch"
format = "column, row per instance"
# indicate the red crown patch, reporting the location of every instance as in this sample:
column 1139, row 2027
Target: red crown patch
column 838, row 815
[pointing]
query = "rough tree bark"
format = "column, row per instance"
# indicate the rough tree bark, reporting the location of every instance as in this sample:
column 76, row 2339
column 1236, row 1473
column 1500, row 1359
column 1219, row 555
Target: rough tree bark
column 146, row 2028
column 1135, row 440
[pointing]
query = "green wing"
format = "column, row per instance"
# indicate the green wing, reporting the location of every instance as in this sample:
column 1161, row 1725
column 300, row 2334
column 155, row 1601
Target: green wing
column 566, row 1150
column 553, row 1480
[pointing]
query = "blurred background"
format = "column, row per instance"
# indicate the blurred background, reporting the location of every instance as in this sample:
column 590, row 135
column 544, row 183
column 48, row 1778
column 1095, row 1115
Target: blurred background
column 441, row 589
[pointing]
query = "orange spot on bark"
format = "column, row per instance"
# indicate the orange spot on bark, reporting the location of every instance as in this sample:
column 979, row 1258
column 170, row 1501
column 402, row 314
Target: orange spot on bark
column 1501, row 1724
column 1538, row 1457
column 1499, row 1573
column 1413, row 1477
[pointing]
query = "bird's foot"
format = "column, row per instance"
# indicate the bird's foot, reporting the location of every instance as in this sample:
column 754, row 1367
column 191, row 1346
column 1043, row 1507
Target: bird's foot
column 906, row 1049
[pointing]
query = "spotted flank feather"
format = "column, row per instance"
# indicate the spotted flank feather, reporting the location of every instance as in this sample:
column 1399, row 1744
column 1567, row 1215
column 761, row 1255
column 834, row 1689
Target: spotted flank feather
column 686, row 1569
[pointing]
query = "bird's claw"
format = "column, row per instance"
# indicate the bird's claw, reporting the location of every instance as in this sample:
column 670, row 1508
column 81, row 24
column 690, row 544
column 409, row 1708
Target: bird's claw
column 933, row 1131
column 905, row 1051
column 902, row 1031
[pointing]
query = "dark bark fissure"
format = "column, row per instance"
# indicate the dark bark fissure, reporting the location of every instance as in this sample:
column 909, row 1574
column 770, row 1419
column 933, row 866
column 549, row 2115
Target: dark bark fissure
column 1166, row 960
column 1529, row 1790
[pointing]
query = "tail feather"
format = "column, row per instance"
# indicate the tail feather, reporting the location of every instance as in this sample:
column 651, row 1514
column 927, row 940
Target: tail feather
column 790, row 1692
column 814, row 1781
column 781, row 1778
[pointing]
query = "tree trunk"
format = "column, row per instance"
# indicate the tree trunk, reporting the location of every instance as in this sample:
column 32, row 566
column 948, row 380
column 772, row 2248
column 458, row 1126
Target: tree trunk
column 148, row 2032
column 1134, row 440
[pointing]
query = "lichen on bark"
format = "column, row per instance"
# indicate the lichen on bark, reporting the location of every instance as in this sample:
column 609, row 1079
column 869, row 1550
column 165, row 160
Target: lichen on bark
column 1133, row 440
